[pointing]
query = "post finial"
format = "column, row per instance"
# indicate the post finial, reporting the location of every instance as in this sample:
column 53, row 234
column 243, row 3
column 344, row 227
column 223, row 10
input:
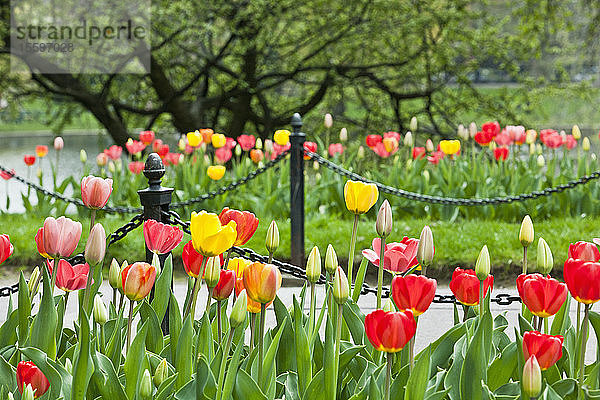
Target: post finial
column 296, row 122
column 154, row 170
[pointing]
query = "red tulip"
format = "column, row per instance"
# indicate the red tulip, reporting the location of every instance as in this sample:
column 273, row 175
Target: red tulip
column 29, row 159
column 60, row 236
column 413, row 292
column 418, row 152
column 335, row 148
column 543, row 296
column 134, row 146
column 390, row 331
column 570, row 142
column 69, row 277
column 492, row 128
column 246, row 224
column 398, row 257
column 246, row 142
column 39, row 241
column 161, row 238
column 436, row 157
column 225, row 286
column 501, row 153
column 483, row 138
column 137, row 280
column 6, row 248
column 7, row 175
column 223, row 154
column 230, row 143
column 372, row 140
column 146, row 137
column 583, row 280
column 163, row 150
column 584, row 251
column 29, row 374
column 309, row 146
column 465, row 286
column 95, row 191
column 114, row 152
column 503, row 140
column 392, row 134
column 156, row 144
column 546, row 348
column 252, row 306
column 136, row 167
column 173, row 158
column 192, row 260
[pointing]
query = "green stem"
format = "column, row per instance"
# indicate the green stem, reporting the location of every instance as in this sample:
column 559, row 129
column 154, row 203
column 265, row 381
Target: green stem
column 411, row 354
column 311, row 316
column 480, row 299
column 223, row 362
column 227, row 257
column 546, row 326
column 586, row 315
column 578, row 317
column 352, row 246
column 54, row 269
column 209, row 297
column 380, row 272
column 388, row 375
column 114, row 298
column 129, row 324
column 219, row 329
column 196, row 289
column 263, row 311
column 87, row 290
column 524, row 259
column 270, row 258
column 252, row 330
column 92, row 219
column 338, row 334
column 102, row 339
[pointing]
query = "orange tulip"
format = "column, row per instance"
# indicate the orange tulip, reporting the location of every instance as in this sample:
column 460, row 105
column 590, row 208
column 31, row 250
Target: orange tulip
column 137, row 280
column 262, row 281
column 41, row 150
column 252, row 306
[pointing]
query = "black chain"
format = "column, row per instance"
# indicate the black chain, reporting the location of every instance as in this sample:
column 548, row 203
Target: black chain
column 453, row 201
column 8, row 290
column 232, row 185
column 173, row 218
column 77, row 202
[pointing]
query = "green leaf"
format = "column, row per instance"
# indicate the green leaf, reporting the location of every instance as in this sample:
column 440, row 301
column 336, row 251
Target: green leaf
column 162, row 289
column 503, row 367
column 154, row 339
column 286, row 353
column 43, row 330
column 269, row 356
column 205, row 380
column 184, row 360
column 60, row 380
column 133, row 363
column 83, row 365
column 114, row 347
column 354, row 319
column 175, row 324
column 417, row 381
column 303, row 359
column 24, row 311
column 360, row 278
column 166, row 388
column 8, row 330
column 474, row 368
column 8, row 375
column 106, row 379
column 246, row 388
column 330, row 386
column 232, row 370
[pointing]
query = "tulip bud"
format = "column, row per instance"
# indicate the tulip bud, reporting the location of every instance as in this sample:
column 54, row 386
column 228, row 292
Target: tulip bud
column 38, row 173
column 28, row 393
column 425, row 249
column 114, row 274
column 482, row 266
column 95, row 247
column 111, row 167
column 492, row 146
column 146, row 385
column 100, row 311
column 34, row 282
column 331, row 261
column 313, row 265
column 161, row 373
column 69, row 366
column 585, row 144
column 360, row 153
column 576, row 132
column 541, row 161
column 316, row 165
column 59, row 143
column 181, row 144
column 328, row 121
column 389, row 305
column 272, row 242
column 426, row 176
column 343, row 135
column 526, row 232
column 530, row 136
column 238, row 150
column 212, row 271
column 341, row 289
column 463, row 133
column 532, row 378
column 258, row 144
column 472, row 129
column 413, row 124
column 408, row 139
column 239, row 310
column 531, row 149
column 539, row 149
column 545, row 260
column 383, row 224
column 82, row 156
column 429, row 145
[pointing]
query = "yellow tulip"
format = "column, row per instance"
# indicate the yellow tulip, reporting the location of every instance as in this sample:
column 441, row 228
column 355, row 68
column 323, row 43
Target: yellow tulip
column 450, row 146
column 390, row 144
column 360, row 196
column 209, row 237
column 238, row 265
column 218, row 140
column 215, row 172
column 282, row 137
column 194, row 138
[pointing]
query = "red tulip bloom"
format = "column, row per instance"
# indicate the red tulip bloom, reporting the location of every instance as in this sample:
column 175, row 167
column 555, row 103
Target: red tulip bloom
column 134, row 146
column 465, row 286
column 192, row 260
column 570, row 142
column 583, row 280
column 545, row 133
column 95, row 191
column 309, row 146
column 161, row 238
column 230, row 143
column 173, row 158
column 114, row 152
column 390, row 331
column 373, row 140
column 246, row 142
column 492, row 128
column 29, row 159
column 483, row 138
column 246, row 224
column 156, row 145
column 436, row 157
column 6, row 248
column 392, row 134
column 136, row 167
column 546, row 348
column 501, row 153
column 225, row 286
column 29, row 374
column 413, row 292
column 146, row 137
column 223, row 154
column 584, row 251
column 335, row 148
column 381, row 150
column 69, row 277
column 398, row 257
column 7, row 175
column 163, row 150
column 39, row 241
column 543, row 296
column 418, row 152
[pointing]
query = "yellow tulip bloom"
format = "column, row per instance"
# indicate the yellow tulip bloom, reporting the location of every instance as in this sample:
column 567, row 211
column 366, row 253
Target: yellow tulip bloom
column 215, row 172
column 450, row 147
column 209, row 237
column 194, row 138
column 238, row 265
column 218, row 140
column 282, row 137
column 360, row 196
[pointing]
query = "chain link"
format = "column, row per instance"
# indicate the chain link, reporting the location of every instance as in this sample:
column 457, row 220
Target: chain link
column 448, row 200
column 232, row 185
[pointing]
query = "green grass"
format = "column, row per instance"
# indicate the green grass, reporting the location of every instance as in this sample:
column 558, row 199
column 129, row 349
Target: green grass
column 456, row 243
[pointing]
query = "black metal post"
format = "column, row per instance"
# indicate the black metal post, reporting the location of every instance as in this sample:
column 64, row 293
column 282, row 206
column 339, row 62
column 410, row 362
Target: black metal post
column 297, row 139
column 155, row 199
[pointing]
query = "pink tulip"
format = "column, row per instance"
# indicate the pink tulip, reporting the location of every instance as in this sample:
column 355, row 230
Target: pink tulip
column 335, row 148
column 398, row 257
column 69, row 277
column 114, row 152
column 59, row 143
column 61, row 236
column 6, row 248
column 223, row 154
column 101, row 159
column 95, row 191
column 161, row 238
column 247, row 142
column 136, row 167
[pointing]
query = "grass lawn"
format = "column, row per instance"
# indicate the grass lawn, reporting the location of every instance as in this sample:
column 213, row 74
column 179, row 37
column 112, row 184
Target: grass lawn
column 456, row 244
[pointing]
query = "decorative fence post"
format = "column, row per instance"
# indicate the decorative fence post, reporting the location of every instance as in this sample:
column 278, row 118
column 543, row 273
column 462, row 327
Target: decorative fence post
column 155, row 199
column 297, row 139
